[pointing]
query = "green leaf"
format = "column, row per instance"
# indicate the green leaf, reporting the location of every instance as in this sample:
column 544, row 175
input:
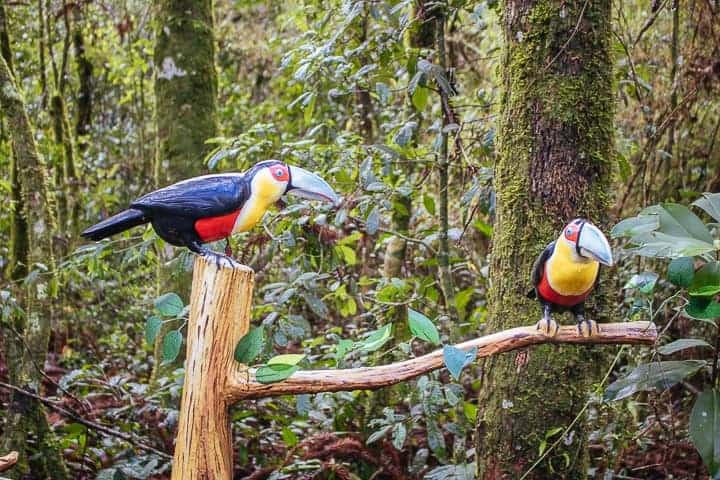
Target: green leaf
column 710, row 202
column 152, row 328
column 704, row 309
column 169, row 304
column 171, row 345
column 342, row 348
column 420, row 97
column 682, row 344
column 383, row 92
column 678, row 221
column 373, row 221
column 429, row 203
column 705, row 429
column 706, row 281
column 681, row 271
column 645, row 282
column 399, row 433
column 376, row 339
column 652, row 376
column 631, row 227
column 661, row 245
column 286, row 359
column 456, row 359
column 274, row 373
column 422, row 327
column 250, row 345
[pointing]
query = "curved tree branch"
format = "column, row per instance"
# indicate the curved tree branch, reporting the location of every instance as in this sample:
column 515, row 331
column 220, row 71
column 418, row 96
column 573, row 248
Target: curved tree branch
column 243, row 385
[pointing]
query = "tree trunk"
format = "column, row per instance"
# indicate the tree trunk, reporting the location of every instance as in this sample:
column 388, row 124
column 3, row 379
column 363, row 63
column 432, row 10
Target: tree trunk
column 185, row 92
column 556, row 144
column 27, row 343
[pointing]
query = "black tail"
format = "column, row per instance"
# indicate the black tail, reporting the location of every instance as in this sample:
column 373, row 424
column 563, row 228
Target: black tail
column 115, row 224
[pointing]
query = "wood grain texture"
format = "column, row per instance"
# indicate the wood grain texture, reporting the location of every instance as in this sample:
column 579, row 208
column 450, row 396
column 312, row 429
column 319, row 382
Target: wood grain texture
column 245, row 386
column 219, row 316
column 8, row 461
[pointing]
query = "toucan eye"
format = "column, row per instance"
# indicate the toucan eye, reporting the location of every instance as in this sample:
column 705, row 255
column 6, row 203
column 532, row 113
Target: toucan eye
column 569, row 232
column 278, row 172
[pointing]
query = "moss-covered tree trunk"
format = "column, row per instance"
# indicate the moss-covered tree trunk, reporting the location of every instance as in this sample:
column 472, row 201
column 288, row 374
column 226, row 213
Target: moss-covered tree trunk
column 186, row 106
column 554, row 164
column 26, row 343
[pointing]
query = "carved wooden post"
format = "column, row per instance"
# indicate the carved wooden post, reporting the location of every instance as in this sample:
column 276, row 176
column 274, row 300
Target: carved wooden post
column 219, row 317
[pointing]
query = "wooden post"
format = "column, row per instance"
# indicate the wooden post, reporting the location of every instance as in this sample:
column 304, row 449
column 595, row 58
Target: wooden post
column 219, row 316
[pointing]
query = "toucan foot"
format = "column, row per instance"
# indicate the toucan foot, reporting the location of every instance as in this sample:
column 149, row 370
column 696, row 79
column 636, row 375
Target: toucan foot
column 228, row 248
column 586, row 327
column 548, row 326
column 221, row 260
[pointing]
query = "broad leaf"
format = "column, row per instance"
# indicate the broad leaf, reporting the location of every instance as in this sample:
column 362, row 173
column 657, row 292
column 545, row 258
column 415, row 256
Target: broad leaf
column 289, row 359
column 662, row 245
column 705, row 429
column 645, row 282
column 706, row 281
column 681, row 271
column 682, row 344
column 704, row 309
column 710, row 202
column 152, row 328
column 250, row 346
column 456, row 359
column 652, row 376
column 376, row 339
column 373, row 222
column 633, row 226
column 274, row 373
column 171, row 345
column 422, row 327
column 678, row 221
column 169, row 304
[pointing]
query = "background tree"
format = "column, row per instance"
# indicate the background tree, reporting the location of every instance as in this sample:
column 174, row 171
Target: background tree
column 29, row 325
column 186, row 93
column 554, row 164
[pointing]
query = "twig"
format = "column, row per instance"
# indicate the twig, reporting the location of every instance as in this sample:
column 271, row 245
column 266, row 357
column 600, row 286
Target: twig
column 88, row 423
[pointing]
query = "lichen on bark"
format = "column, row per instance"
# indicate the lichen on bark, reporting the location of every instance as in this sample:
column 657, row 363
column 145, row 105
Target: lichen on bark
column 26, row 346
column 554, row 164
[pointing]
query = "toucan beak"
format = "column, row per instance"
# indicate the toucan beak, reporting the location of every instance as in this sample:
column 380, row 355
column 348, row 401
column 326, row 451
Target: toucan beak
column 308, row 185
column 593, row 244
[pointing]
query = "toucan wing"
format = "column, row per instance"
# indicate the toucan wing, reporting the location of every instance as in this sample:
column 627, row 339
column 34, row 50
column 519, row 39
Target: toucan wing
column 199, row 197
column 539, row 267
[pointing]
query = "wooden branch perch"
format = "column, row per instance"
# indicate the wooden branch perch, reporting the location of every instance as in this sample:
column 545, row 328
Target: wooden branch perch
column 245, row 386
column 220, row 316
column 7, row 461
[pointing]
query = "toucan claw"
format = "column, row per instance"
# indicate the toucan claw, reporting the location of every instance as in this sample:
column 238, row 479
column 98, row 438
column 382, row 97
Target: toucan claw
column 587, row 328
column 547, row 326
column 221, row 260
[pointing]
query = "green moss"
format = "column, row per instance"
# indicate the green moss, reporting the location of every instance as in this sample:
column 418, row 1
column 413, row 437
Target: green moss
column 558, row 97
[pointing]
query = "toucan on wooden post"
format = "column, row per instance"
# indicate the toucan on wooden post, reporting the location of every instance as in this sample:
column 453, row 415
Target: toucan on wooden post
column 219, row 317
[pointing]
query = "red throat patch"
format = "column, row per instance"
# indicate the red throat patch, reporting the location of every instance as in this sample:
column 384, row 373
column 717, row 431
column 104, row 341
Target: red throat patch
column 547, row 293
column 216, row 228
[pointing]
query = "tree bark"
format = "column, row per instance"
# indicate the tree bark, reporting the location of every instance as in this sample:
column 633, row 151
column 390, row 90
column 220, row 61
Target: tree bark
column 186, row 106
column 554, row 164
column 27, row 345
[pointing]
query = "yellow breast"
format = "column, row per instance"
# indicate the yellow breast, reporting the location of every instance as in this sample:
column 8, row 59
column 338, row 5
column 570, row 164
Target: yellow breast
column 568, row 276
column 251, row 213
column 265, row 192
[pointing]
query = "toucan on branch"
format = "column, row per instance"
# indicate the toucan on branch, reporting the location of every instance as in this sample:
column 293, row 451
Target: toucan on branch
column 244, row 386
